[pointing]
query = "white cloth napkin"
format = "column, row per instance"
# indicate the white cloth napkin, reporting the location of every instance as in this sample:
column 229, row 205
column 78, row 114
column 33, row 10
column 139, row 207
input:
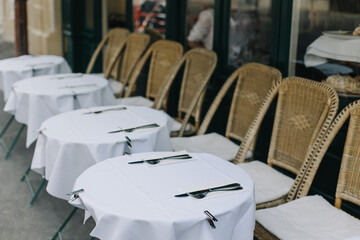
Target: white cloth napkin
column 327, row 47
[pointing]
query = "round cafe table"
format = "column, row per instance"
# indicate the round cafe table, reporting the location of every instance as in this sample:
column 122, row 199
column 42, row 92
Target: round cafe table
column 34, row 100
column 26, row 66
column 71, row 142
column 136, row 201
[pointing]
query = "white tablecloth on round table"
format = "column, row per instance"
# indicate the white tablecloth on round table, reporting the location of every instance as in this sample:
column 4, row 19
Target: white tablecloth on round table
column 137, row 201
column 18, row 68
column 74, row 141
column 34, row 100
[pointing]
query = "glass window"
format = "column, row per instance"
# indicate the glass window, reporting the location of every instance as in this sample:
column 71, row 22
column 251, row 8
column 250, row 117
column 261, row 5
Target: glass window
column 323, row 46
column 250, row 31
column 150, row 16
column 200, row 23
column 89, row 14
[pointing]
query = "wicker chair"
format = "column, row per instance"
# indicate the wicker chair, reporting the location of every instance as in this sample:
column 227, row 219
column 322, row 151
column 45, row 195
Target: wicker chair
column 199, row 66
column 305, row 110
column 164, row 55
column 253, row 82
column 114, row 40
column 129, row 54
column 312, row 217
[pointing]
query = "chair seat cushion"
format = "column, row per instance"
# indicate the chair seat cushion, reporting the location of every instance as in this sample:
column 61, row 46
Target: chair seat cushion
column 135, row 101
column 310, row 217
column 269, row 183
column 177, row 126
column 212, row 143
column 116, row 86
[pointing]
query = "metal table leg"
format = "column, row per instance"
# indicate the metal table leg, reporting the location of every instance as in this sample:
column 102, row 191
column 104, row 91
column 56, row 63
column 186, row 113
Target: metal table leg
column 3, row 131
column 63, row 225
column 14, row 142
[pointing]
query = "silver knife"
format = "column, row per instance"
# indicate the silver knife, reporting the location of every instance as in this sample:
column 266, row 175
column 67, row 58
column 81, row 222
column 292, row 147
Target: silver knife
column 162, row 158
column 237, row 186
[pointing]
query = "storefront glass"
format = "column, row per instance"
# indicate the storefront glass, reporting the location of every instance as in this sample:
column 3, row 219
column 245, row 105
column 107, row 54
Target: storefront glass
column 250, row 32
column 150, row 16
column 200, row 23
column 325, row 41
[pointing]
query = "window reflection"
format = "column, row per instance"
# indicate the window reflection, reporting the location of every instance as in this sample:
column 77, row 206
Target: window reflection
column 150, row 16
column 200, row 23
column 89, row 15
column 321, row 43
column 250, row 31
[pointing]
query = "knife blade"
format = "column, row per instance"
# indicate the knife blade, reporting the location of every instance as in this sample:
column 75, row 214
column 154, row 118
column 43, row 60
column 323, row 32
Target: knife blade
column 206, row 190
column 162, row 158
column 135, row 128
column 105, row 110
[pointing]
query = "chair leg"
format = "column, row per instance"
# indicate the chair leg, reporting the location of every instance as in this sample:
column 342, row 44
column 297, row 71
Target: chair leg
column 14, row 142
column 38, row 190
column 3, row 131
column 63, row 225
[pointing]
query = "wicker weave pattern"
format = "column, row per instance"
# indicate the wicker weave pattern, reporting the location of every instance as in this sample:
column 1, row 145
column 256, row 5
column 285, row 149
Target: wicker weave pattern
column 254, row 81
column 262, row 233
column 164, row 55
column 132, row 50
column 114, row 39
column 301, row 111
column 293, row 120
column 199, row 66
column 349, row 178
column 348, row 187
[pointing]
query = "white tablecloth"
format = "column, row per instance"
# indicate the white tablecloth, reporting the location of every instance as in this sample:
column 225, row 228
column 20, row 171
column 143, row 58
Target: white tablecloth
column 34, row 100
column 74, row 141
column 327, row 47
column 18, row 68
column 137, row 201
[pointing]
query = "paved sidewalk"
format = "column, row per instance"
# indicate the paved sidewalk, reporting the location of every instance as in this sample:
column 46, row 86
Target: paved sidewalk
column 17, row 220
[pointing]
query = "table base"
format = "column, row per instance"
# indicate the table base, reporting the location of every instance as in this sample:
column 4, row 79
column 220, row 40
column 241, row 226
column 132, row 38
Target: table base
column 3, row 131
column 32, row 191
column 63, row 225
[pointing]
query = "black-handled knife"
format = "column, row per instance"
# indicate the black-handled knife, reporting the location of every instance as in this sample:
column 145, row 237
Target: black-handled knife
column 181, row 156
column 232, row 185
column 135, row 128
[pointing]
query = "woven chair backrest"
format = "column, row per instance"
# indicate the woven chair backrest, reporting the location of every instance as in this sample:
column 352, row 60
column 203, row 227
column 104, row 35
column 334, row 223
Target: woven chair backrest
column 135, row 46
column 304, row 108
column 117, row 37
column 248, row 83
column 254, row 80
column 199, row 66
column 163, row 55
column 348, row 187
column 113, row 40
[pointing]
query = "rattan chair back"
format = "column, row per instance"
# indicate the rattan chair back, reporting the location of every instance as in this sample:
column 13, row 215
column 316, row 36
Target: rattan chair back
column 253, row 82
column 303, row 107
column 304, row 112
column 348, row 187
column 129, row 54
column 199, row 65
column 163, row 55
column 113, row 40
